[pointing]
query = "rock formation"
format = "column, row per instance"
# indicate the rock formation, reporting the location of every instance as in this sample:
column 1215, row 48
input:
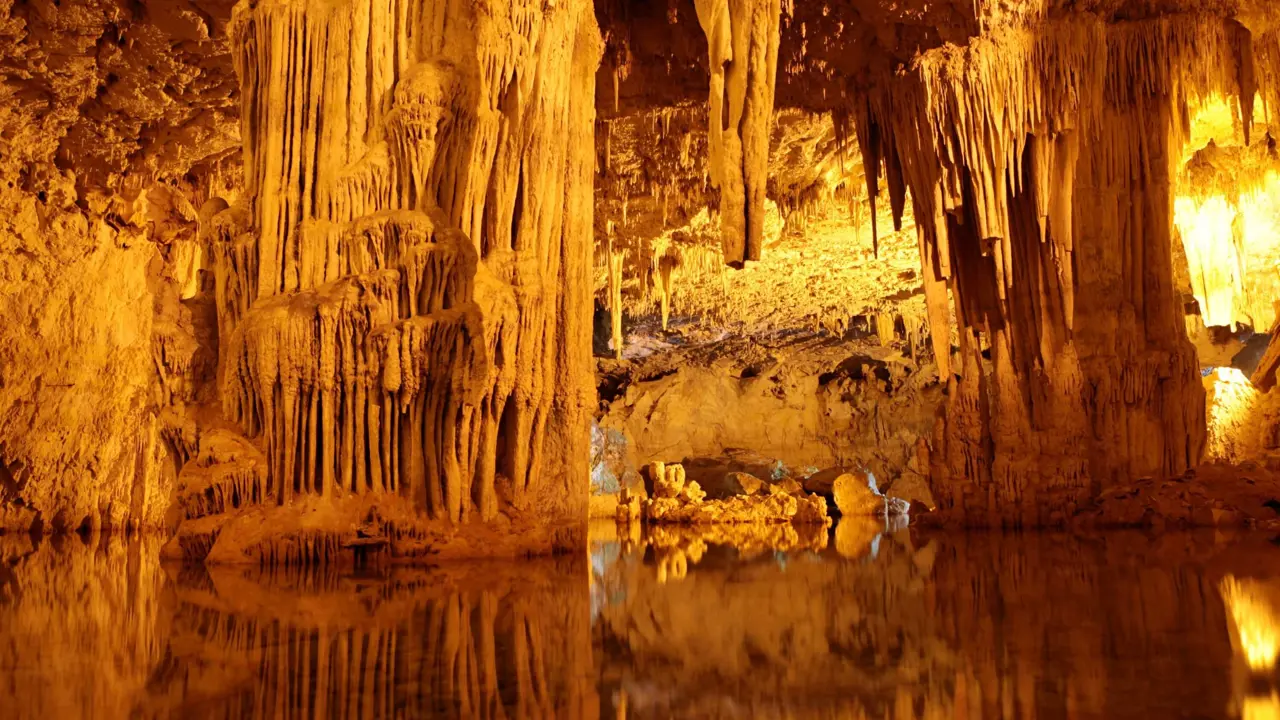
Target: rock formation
column 1038, row 154
column 401, row 290
column 677, row 500
column 293, row 280
column 115, row 123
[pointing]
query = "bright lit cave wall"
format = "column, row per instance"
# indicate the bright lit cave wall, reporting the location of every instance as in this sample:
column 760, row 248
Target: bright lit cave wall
column 283, row 279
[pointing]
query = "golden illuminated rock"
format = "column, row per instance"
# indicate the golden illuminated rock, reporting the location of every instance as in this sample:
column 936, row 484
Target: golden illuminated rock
column 309, row 281
column 747, row 484
column 855, row 494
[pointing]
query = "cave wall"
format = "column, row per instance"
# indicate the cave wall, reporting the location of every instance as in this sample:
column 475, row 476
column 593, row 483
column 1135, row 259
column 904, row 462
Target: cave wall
column 106, row 112
column 400, row 289
column 1038, row 149
column 810, row 403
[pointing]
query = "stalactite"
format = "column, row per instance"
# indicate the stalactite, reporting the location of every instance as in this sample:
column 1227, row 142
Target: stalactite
column 742, row 39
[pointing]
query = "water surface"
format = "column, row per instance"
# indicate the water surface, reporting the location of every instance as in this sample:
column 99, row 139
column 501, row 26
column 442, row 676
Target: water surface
column 858, row 623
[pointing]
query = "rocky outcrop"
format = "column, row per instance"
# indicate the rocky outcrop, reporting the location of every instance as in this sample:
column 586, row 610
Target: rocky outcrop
column 806, row 401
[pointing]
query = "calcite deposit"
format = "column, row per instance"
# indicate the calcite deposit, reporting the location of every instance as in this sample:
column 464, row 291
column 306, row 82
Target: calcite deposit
column 739, row 498
column 296, row 282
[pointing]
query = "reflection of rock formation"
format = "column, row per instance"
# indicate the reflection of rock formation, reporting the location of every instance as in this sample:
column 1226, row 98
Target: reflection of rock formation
column 98, row 629
column 82, row 624
column 784, row 635
column 1254, row 621
column 1253, row 618
column 483, row 641
column 975, row 626
column 1113, row 626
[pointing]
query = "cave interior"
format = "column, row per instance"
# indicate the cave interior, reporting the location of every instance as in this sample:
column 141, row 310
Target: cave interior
column 297, row 282
column 640, row 358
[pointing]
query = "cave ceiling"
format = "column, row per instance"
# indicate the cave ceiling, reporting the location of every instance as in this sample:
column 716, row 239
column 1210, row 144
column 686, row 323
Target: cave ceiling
column 111, row 90
column 148, row 88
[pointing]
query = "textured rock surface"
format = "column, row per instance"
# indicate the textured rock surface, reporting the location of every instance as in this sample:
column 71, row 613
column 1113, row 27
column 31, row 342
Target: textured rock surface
column 401, row 291
column 399, row 281
column 807, row 401
column 108, row 114
column 855, row 494
column 360, row 239
column 679, row 501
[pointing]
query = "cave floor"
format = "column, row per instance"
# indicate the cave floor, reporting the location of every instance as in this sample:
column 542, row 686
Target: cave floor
column 862, row 620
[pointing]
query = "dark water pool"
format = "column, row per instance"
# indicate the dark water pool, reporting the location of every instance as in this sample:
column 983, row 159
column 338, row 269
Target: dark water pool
column 857, row 623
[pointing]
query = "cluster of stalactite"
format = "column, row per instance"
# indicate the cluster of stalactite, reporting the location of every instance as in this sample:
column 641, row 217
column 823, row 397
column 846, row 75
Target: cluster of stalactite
column 1040, row 165
column 402, row 290
column 1226, row 212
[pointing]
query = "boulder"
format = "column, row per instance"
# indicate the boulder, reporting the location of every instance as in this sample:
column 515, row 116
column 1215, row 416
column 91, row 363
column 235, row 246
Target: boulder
column 790, row 486
column 716, row 474
column 855, row 494
column 912, row 487
column 744, row 483
column 821, row 481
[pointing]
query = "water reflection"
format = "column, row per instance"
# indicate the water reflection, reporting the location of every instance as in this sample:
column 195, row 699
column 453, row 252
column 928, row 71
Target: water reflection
column 864, row 621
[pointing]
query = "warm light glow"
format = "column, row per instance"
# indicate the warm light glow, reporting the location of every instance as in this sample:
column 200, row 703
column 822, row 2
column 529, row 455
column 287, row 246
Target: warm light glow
column 1260, row 212
column 1263, row 707
column 1230, row 416
column 1257, row 626
column 1215, row 120
column 1212, row 256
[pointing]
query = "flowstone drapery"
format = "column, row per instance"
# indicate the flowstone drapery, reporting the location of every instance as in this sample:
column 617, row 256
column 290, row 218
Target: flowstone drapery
column 1041, row 166
column 403, row 293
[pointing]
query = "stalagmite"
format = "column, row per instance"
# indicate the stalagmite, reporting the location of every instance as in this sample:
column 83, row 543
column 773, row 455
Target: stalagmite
column 615, row 300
